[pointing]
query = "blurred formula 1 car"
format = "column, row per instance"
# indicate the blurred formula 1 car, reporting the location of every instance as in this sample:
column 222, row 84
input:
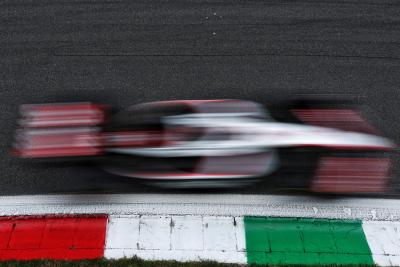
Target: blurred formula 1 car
column 213, row 143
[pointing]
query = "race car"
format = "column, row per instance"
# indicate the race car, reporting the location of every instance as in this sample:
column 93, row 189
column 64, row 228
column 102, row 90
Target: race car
column 213, row 143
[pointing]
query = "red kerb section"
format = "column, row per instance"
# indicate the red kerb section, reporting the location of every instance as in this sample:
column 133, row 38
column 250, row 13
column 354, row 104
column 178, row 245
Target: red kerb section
column 52, row 237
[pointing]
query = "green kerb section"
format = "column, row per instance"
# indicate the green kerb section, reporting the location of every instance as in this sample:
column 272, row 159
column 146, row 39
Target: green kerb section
column 305, row 241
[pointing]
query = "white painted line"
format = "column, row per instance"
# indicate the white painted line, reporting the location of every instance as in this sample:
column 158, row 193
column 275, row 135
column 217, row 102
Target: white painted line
column 204, row 204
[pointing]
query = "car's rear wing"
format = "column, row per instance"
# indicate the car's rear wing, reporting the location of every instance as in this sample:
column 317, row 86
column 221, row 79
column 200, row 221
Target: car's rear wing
column 60, row 130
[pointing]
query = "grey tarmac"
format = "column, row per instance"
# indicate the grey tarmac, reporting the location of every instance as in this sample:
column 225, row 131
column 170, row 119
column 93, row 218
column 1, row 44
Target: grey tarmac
column 126, row 52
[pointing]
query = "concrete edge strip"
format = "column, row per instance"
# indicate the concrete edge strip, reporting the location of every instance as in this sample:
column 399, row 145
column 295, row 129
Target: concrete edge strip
column 204, row 204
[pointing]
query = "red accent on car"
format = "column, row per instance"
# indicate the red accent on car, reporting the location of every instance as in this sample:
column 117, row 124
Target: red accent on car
column 60, row 130
column 59, row 142
column 58, row 115
column 351, row 175
column 343, row 119
column 133, row 139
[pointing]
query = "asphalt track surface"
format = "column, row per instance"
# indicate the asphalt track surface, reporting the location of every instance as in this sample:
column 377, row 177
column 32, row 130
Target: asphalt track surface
column 127, row 52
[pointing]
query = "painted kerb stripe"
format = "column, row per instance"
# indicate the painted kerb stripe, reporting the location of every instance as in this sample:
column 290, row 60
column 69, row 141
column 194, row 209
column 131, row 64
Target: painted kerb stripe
column 52, row 237
column 305, row 241
column 259, row 240
column 177, row 237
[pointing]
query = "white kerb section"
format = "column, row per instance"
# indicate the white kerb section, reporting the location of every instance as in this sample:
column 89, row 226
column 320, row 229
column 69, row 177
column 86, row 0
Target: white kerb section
column 384, row 241
column 181, row 238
